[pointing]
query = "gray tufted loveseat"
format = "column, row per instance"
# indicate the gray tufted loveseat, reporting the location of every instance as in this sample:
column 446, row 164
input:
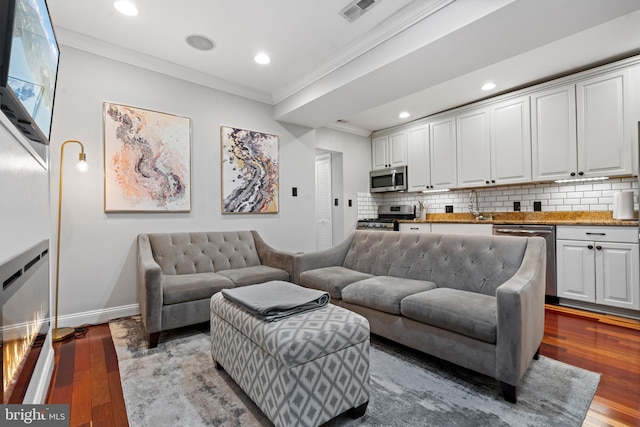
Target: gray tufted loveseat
column 476, row 301
column 179, row 272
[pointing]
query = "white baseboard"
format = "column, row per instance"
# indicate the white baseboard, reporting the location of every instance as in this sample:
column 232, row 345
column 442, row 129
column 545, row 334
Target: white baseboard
column 96, row 317
column 39, row 385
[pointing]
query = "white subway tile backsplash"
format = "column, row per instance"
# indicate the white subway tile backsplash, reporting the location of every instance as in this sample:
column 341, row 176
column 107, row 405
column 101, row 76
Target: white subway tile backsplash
column 596, row 196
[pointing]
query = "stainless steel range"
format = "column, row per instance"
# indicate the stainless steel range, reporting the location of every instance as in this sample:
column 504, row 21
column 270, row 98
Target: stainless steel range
column 388, row 216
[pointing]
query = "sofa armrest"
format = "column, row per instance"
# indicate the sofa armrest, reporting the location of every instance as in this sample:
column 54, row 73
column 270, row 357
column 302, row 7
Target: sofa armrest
column 520, row 302
column 324, row 258
column 149, row 278
column 273, row 257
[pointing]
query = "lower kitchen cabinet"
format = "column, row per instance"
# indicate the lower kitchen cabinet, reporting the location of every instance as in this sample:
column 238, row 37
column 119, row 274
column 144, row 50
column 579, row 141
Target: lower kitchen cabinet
column 447, row 228
column 599, row 265
column 444, row 228
column 421, row 227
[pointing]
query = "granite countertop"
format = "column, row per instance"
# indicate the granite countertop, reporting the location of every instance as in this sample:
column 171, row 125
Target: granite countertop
column 549, row 218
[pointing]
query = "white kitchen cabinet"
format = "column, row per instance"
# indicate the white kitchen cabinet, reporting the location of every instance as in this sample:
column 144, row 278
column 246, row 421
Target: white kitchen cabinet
column 442, row 152
column 461, row 228
column 494, row 144
column 418, row 158
column 599, row 265
column 604, row 125
column 431, row 155
column 583, row 129
column 389, row 150
column 421, row 227
column 511, row 141
column 553, row 134
column 474, row 148
column 447, row 228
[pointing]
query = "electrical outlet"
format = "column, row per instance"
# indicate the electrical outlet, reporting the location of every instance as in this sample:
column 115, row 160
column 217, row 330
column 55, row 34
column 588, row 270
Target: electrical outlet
column 448, row 208
column 537, row 206
column 516, row 206
column 350, row 202
column 294, row 191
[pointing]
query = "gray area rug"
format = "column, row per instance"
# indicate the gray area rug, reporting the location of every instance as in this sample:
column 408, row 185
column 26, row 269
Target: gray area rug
column 176, row 384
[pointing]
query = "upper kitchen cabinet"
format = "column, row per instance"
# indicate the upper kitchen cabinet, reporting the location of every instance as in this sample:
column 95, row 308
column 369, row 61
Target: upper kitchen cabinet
column 583, row 130
column 442, row 150
column 604, row 125
column 494, row 144
column 389, row 150
column 431, row 155
column 511, row 141
column 418, row 158
column 553, row 133
column 474, row 148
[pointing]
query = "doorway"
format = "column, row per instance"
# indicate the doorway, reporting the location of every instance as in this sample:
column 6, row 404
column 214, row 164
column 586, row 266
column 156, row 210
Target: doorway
column 324, row 223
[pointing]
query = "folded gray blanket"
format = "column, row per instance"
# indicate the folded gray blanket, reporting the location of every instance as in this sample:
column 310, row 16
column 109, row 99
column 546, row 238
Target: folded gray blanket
column 276, row 300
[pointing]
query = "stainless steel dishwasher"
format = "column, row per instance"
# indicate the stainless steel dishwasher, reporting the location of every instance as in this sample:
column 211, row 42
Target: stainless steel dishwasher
column 549, row 234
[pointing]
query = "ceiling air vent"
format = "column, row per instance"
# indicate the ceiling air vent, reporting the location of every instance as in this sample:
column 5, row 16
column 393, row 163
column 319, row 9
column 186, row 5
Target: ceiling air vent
column 357, row 8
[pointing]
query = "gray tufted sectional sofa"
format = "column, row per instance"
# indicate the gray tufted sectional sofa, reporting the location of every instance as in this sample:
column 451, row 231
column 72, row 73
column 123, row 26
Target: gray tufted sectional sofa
column 476, row 301
column 179, row 272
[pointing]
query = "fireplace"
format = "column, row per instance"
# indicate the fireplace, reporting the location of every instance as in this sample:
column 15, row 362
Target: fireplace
column 24, row 314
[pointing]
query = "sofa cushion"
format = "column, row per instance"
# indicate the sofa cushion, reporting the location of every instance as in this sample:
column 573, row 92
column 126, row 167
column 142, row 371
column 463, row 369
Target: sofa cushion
column 191, row 287
column 254, row 275
column 331, row 279
column 467, row 313
column 384, row 293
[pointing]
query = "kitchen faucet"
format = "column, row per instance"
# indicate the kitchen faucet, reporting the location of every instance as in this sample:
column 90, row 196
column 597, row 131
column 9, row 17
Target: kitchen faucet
column 474, row 207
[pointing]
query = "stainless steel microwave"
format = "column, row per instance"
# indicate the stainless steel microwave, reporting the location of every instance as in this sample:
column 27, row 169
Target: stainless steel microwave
column 388, row 179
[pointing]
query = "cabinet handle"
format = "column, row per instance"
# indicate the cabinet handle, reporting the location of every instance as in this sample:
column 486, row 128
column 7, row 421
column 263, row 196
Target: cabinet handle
column 599, row 248
column 413, row 228
column 581, row 173
column 590, row 247
column 519, row 231
column 573, row 174
column 596, row 234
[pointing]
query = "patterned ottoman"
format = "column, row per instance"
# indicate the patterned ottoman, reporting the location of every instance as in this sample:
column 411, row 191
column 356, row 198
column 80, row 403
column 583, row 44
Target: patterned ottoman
column 302, row 370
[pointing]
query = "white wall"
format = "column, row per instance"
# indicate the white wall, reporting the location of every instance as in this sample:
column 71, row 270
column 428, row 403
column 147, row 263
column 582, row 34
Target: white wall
column 24, row 192
column 24, row 222
column 97, row 272
column 356, row 163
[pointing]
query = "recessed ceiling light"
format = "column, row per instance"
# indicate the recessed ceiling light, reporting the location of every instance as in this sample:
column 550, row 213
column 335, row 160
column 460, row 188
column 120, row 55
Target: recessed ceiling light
column 488, row 86
column 262, row 58
column 126, row 7
column 404, row 115
column 200, row 42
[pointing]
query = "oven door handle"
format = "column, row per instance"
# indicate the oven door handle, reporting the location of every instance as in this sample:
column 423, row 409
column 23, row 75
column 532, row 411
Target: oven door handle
column 521, row 232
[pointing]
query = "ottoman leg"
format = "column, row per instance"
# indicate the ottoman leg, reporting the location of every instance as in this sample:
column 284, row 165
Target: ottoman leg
column 217, row 365
column 359, row 411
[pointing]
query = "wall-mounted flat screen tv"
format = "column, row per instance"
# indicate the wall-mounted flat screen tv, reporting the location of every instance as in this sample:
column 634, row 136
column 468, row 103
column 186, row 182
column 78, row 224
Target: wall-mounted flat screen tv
column 29, row 57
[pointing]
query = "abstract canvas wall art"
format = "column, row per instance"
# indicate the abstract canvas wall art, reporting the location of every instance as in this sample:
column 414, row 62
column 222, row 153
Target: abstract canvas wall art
column 250, row 171
column 147, row 160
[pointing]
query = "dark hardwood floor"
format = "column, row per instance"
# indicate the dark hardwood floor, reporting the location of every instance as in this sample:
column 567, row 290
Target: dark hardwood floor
column 86, row 370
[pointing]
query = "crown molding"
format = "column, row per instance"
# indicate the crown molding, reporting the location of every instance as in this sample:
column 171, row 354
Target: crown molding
column 346, row 127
